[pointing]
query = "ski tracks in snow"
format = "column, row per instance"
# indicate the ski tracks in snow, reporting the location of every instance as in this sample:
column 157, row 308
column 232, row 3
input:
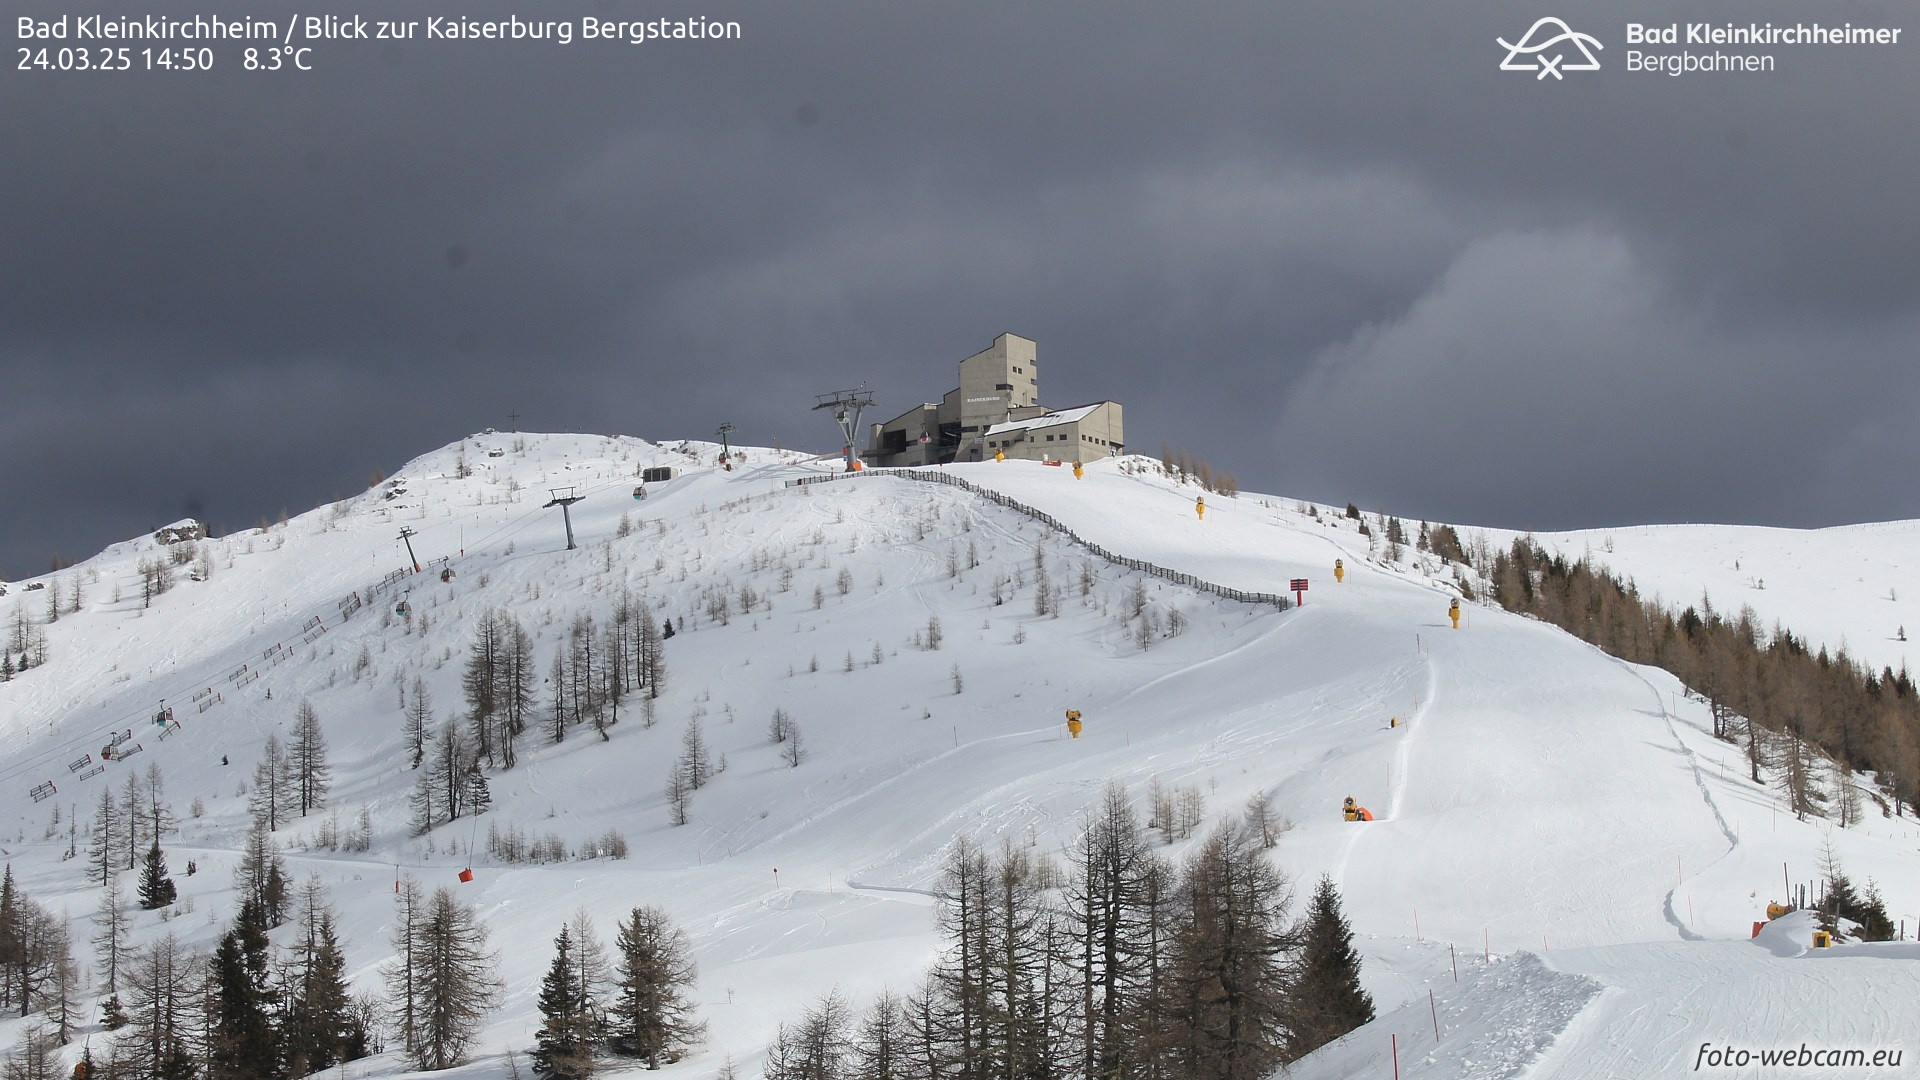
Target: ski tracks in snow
column 1706, row 795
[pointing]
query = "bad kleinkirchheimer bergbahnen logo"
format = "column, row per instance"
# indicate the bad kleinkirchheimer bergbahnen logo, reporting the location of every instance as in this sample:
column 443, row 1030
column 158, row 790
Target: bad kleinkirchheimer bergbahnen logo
column 1537, row 51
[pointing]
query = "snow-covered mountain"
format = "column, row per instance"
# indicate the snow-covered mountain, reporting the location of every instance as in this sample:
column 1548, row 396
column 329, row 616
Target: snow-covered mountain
column 1555, row 825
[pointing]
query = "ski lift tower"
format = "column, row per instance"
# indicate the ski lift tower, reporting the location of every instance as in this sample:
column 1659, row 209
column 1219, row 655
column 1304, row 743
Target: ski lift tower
column 563, row 498
column 407, row 534
column 846, row 406
column 725, row 430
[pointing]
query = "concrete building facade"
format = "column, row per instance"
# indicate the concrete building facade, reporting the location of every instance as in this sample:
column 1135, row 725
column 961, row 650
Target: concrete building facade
column 996, row 409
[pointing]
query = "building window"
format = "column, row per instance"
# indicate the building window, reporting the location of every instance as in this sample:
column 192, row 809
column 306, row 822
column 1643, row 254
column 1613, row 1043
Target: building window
column 1003, row 386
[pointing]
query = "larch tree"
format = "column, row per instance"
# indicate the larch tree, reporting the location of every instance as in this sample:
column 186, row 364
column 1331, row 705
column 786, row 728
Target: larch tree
column 271, row 797
column 517, row 676
column 883, row 1045
column 103, row 848
column 816, row 1048
column 156, row 1043
column 307, row 760
column 458, row 987
column 480, row 683
column 110, row 937
column 651, row 1015
column 650, row 665
column 261, row 877
column 1229, row 961
column 405, row 973
column 1118, row 908
column 417, row 727
column 695, row 762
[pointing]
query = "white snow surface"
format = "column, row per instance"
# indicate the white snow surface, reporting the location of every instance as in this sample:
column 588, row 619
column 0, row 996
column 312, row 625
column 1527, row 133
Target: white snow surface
column 1852, row 587
column 1557, row 827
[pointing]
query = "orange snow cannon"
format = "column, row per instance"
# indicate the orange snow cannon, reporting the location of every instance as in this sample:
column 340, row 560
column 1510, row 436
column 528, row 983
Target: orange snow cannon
column 1073, row 722
column 1339, row 571
column 1453, row 612
column 1200, row 508
column 1077, row 470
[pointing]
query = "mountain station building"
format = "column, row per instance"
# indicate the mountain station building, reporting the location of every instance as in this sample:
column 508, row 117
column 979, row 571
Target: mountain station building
column 996, row 410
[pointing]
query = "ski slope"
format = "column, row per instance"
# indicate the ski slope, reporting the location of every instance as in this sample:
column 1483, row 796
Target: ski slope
column 1556, row 822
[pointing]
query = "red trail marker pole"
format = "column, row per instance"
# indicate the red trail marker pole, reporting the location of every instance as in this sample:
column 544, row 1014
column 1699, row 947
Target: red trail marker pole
column 1396, row 1057
column 1435, row 1009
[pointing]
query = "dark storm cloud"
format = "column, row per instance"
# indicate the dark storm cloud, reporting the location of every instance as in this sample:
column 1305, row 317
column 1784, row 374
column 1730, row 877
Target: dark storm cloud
column 1287, row 236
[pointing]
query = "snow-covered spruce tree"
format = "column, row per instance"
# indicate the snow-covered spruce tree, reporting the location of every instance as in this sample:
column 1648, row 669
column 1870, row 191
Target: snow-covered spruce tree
column 651, row 1015
column 320, row 1027
column 241, row 1041
column 156, row 887
column 1324, row 997
column 563, row 1047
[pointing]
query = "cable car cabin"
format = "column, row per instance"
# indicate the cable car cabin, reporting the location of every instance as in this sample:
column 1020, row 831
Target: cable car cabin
column 446, row 574
column 639, row 493
column 401, row 609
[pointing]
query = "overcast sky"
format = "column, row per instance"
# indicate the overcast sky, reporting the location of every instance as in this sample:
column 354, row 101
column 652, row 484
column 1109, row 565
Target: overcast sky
column 1331, row 247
